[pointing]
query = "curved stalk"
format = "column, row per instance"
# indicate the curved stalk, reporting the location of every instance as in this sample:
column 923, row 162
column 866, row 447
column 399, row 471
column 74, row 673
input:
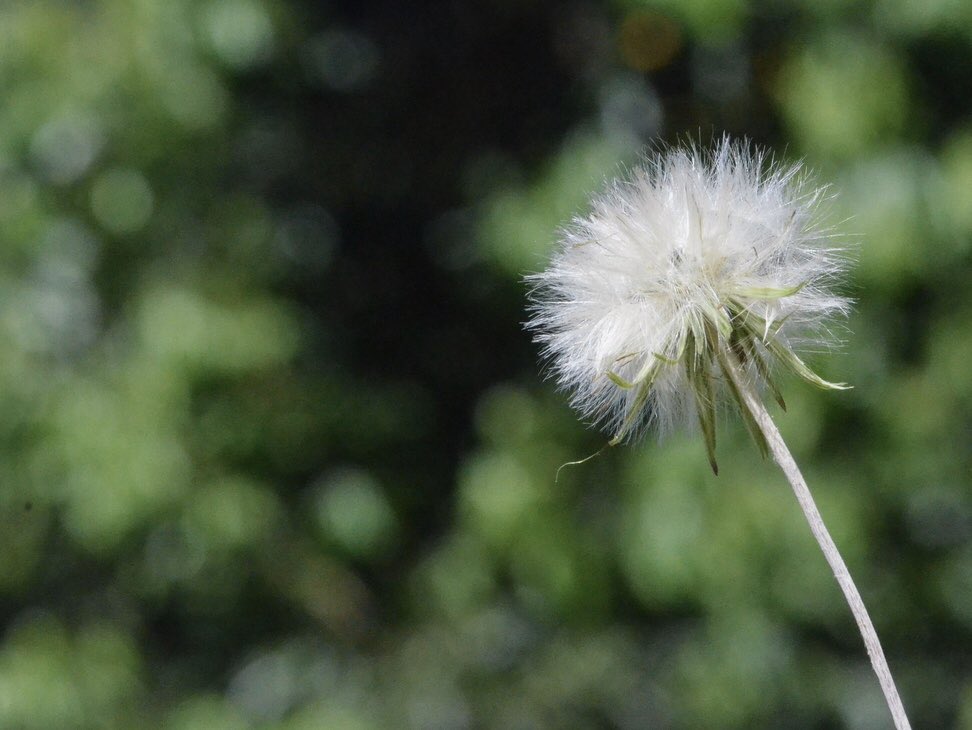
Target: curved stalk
column 781, row 454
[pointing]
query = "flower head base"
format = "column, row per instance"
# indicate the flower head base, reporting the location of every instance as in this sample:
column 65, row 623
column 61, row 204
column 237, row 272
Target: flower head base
column 696, row 263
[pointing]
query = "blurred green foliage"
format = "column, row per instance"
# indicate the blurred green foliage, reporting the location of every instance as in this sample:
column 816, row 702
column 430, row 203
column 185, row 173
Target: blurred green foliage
column 274, row 450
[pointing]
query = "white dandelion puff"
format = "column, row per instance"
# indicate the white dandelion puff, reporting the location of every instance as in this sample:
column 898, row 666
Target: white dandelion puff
column 692, row 253
column 690, row 280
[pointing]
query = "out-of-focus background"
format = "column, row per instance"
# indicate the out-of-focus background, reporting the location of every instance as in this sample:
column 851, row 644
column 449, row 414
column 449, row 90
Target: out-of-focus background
column 274, row 449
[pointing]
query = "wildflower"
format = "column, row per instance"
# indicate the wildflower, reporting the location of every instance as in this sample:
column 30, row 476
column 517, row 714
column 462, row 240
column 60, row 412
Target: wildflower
column 697, row 276
column 695, row 258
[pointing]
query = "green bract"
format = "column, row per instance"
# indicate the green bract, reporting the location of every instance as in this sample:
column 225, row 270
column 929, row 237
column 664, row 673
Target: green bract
column 732, row 331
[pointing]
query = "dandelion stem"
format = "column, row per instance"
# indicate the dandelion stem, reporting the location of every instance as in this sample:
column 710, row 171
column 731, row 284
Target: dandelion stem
column 783, row 457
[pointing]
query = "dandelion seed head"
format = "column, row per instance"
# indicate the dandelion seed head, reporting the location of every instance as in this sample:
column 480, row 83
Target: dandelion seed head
column 692, row 257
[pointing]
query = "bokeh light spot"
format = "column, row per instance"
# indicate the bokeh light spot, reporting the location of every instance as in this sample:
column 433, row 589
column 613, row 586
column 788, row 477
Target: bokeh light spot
column 232, row 512
column 179, row 327
column 239, row 31
column 121, row 200
column 352, row 511
column 630, row 106
column 496, row 495
column 844, row 94
column 64, row 148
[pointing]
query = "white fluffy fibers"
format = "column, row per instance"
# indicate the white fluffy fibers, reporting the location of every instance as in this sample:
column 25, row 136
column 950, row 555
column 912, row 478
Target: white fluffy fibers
column 695, row 257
